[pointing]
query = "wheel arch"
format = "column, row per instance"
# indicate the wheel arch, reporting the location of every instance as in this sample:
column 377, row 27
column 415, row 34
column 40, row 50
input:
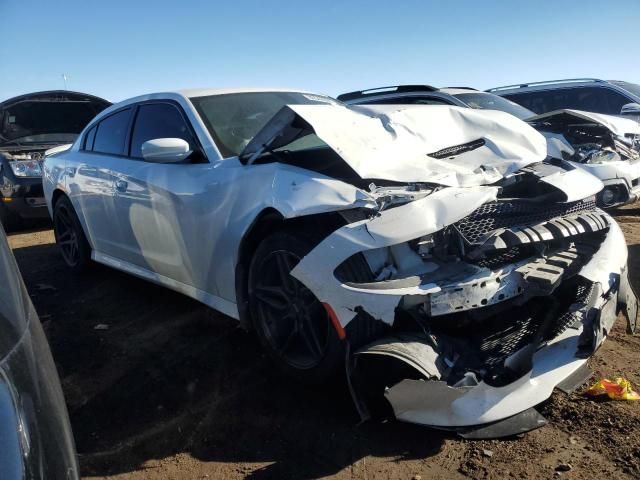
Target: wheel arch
column 57, row 194
column 269, row 221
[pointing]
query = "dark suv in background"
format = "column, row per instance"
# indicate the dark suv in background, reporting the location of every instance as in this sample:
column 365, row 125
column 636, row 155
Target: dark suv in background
column 30, row 126
column 612, row 97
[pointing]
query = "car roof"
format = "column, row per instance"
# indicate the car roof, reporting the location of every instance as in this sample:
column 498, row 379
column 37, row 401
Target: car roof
column 546, row 84
column 185, row 94
column 380, row 91
column 203, row 92
column 458, row 90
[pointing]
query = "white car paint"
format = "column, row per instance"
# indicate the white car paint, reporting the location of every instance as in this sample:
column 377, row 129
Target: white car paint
column 624, row 172
column 409, row 133
column 181, row 225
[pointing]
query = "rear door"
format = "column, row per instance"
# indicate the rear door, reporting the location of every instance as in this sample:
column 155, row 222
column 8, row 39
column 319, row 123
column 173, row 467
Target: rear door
column 92, row 183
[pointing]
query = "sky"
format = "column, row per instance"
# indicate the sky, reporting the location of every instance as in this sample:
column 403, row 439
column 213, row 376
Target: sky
column 117, row 49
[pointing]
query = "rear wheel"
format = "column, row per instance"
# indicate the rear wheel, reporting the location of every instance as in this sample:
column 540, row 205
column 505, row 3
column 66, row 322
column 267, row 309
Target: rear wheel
column 70, row 237
column 289, row 320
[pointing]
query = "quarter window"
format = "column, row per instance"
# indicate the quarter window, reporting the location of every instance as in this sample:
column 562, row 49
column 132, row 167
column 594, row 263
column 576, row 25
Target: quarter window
column 112, row 133
column 89, row 138
column 158, row 120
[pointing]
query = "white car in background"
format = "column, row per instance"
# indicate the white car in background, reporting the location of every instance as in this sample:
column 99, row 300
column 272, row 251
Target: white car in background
column 460, row 276
column 604, row 145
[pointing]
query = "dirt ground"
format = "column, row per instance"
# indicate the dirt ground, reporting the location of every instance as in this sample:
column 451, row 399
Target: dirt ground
column 169, row 390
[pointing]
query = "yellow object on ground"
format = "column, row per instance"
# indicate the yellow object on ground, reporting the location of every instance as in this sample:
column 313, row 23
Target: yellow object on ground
column 619, row 389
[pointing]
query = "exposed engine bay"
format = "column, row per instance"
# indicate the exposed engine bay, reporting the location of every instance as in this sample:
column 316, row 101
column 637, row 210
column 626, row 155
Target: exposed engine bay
column 606, row 146
column 464, row 313
column 592, row 141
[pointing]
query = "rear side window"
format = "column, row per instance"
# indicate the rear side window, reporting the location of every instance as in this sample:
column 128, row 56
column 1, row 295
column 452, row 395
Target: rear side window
column 590, row 99
column 112, row 133
column 89, row 138
column 158, row 120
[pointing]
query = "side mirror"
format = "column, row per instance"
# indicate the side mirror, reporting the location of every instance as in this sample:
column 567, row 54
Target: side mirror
column 630, row 109
column 165, row 150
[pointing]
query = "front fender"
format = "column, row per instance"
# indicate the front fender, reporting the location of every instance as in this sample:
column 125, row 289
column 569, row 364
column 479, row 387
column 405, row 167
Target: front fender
column 297, row 193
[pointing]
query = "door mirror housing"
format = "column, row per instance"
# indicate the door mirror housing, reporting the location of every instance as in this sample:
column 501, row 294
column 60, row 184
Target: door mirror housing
column 165, row 150
column 630, row 109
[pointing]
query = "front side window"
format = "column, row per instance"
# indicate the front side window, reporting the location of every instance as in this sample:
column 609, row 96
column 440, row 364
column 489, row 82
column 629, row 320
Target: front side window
column 158, row 120
column 233, row 119
column 112, row 133
column 632, row 88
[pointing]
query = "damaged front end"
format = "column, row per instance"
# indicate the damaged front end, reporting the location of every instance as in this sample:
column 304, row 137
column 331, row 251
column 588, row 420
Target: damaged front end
column 477, row 277
column 475, row 303
column 605, row 146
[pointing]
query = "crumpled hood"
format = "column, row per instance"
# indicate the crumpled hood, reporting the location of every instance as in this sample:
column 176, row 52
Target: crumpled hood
column 451, row 146
column 617, row 126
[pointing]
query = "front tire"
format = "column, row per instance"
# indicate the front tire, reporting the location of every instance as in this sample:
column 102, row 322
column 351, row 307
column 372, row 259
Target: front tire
column 290, row 322
column 70, row 236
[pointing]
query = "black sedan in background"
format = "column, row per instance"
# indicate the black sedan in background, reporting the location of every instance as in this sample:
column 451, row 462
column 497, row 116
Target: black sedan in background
column 30, row 126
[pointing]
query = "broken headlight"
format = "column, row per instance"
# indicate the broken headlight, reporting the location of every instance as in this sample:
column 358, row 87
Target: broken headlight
column 26, row 168
column 603, row 156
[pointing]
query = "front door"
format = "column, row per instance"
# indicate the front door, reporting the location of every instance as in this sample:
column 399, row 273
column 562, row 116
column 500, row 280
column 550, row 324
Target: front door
column 163, row 207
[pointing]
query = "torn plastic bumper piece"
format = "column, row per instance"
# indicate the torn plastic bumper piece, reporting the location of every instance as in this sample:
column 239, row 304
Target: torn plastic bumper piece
column 518, row 424
column 477, row 409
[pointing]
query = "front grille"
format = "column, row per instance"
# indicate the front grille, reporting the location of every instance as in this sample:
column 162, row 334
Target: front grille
column 506, row 257
column 485, row 346
column 492, row 216
column 497, row 346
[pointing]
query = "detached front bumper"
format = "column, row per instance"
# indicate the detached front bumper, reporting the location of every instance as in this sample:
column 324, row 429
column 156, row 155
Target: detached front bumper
column 434, row 403
column 474, row 377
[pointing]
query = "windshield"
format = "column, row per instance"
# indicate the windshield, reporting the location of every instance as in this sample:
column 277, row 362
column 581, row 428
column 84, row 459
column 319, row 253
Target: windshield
column 633, row 88
column 233, row 119
column 41, row 121
column 488, row 101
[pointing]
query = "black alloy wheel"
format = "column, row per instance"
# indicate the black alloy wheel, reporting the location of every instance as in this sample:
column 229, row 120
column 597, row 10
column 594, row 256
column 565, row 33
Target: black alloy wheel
column 289, row 320
column 70, row 236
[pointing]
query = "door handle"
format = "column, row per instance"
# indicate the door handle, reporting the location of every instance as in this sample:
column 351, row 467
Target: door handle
column 121, row 185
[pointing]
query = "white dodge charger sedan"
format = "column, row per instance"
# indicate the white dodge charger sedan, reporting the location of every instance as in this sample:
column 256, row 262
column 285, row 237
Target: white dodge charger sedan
column 435, row 251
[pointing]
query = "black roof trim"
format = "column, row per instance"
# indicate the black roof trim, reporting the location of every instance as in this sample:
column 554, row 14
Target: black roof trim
column 566, row 81
column 382, row 90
